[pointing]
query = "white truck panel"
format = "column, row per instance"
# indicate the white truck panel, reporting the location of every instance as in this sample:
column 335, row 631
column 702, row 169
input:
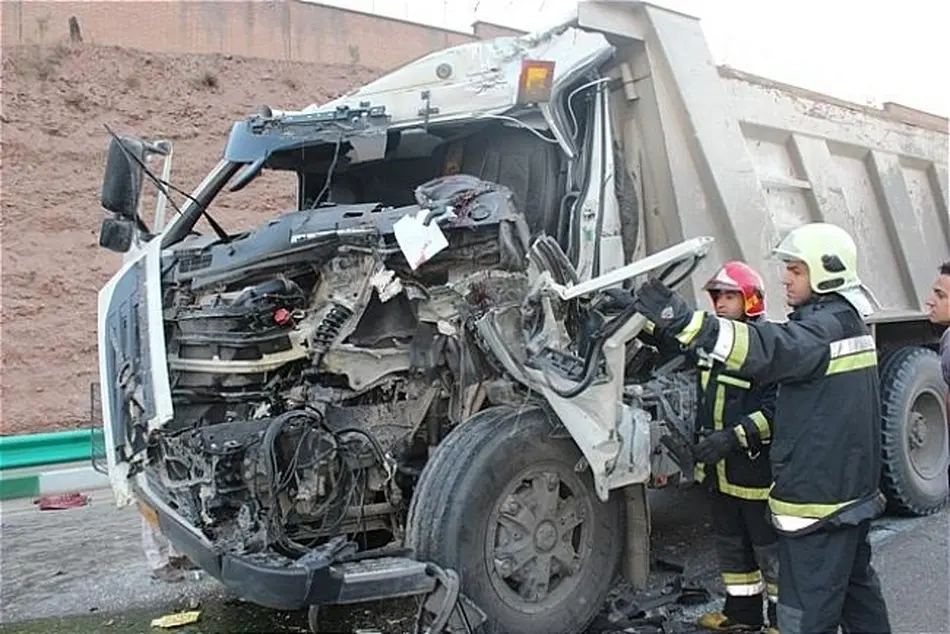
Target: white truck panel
column 745, row 159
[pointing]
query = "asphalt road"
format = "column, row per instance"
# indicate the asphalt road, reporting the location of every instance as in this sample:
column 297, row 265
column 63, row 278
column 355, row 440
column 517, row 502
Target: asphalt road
column 83, row 570
column 914, row 566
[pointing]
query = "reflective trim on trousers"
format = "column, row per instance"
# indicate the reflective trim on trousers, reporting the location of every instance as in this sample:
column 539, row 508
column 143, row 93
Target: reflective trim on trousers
column 743, row 584
column 745, row 589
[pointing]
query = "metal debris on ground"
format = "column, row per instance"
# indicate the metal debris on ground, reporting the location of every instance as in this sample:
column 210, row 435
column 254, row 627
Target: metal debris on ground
column 652, row 610
column 446, row 609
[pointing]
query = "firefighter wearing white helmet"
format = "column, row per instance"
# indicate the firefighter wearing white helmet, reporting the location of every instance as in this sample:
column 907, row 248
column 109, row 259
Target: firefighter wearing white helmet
column 831, row 258
column 825, row 453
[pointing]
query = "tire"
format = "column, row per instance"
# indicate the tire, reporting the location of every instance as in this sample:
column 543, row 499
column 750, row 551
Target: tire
column 914, row 432
column 476, row 479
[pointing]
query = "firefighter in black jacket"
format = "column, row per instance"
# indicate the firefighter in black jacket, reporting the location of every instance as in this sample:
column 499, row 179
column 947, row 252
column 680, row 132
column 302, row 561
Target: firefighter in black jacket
column 825, row 453
column 735, row 416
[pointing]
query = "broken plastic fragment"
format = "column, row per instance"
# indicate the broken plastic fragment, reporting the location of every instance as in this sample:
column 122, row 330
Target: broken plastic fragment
column 176, row 620
column 419, row 243
column 386, row 284
column 447, row 329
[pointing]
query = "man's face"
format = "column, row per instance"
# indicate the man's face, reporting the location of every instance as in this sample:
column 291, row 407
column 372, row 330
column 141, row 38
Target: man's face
column 797, row 283
column 938, row 303
column 728, row 304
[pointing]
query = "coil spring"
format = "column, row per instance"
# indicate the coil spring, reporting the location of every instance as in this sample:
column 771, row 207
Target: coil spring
column 329, row 328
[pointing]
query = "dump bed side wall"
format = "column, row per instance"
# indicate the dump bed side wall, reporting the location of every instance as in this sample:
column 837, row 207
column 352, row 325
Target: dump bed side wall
column 744, row 159
column 883, row 180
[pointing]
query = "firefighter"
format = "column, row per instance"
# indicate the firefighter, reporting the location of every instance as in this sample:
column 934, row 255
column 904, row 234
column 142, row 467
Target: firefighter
column 733, row 462
column 825, row 451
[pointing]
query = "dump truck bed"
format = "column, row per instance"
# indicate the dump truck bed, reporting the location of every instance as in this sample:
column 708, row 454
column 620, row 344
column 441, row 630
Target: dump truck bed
column 745, row 159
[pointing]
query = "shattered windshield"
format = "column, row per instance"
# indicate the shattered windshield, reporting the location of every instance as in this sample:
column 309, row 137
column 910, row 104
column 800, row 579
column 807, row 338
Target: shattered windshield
column 255, row 140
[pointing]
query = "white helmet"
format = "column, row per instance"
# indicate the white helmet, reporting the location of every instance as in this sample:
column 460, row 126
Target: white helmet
column 832, row 259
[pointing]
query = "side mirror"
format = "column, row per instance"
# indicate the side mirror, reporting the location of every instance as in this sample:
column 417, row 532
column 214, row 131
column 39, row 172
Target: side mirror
column 116, row 234
column 122, row 184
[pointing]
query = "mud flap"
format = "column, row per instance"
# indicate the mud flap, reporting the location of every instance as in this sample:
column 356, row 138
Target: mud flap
column 636, row 560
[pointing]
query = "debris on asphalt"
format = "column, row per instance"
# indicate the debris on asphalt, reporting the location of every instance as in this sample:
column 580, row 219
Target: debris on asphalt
column 62, row 502
column 654, row 610
column 176, row 620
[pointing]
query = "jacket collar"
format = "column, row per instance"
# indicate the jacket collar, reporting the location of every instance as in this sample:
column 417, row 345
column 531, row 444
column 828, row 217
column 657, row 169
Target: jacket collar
column 816, row 303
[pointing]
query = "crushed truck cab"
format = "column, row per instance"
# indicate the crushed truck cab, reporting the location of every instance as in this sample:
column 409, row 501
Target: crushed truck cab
column 425, row 379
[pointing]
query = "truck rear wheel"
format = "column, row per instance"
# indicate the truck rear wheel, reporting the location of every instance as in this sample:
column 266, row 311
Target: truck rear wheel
column 501, row 503
column 914, row 432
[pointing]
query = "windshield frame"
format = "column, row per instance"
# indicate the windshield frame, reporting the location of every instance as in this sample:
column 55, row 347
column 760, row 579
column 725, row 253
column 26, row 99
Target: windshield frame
column 201, row 197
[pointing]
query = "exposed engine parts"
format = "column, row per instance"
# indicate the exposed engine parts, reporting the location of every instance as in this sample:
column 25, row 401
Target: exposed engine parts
column 313, row 370
column 328, row 329
column 307, row 357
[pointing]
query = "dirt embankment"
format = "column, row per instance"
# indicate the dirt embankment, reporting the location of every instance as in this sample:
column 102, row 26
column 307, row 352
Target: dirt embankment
column 55, row 102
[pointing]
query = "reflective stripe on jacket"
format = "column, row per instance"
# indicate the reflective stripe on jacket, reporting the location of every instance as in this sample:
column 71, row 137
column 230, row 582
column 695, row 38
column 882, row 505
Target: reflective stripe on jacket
column 729, row 401
column 826, row 443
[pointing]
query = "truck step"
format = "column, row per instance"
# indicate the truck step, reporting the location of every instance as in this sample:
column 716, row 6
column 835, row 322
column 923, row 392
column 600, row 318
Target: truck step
column 383, row 578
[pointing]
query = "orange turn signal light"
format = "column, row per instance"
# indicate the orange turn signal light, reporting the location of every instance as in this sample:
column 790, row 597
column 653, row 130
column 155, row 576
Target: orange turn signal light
column 536, row 81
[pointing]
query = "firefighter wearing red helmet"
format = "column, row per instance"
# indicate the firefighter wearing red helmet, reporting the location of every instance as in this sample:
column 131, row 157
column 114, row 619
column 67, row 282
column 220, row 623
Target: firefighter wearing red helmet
column 735, row 418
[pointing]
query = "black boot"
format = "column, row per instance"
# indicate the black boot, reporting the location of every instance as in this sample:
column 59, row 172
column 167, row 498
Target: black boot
column 740, row 614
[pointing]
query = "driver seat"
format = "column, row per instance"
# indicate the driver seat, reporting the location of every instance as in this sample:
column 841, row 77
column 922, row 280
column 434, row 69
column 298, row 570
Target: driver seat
column 518, row 159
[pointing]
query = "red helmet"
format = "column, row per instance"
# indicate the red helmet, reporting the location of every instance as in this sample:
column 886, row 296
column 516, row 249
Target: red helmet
column 739, row 277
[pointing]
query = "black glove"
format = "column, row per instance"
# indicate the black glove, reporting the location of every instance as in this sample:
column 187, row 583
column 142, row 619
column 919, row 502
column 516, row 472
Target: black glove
column 716, row 446
column 614, row 299
column 668, row 311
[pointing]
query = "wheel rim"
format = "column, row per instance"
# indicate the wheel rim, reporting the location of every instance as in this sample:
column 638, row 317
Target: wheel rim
column 538, row 538
column 926, row 434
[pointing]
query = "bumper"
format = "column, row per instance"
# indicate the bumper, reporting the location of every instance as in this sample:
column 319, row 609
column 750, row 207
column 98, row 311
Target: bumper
column 296, row 587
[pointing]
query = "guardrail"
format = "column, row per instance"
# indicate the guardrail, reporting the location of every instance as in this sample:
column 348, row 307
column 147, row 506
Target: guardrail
column 36, row 450
column 52, row 448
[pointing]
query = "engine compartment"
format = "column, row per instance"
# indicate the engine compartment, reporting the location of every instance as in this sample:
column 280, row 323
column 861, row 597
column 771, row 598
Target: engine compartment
column 312, row 369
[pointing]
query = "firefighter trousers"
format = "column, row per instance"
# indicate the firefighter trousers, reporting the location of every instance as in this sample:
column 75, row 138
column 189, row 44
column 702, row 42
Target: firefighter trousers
column 826, row 580
column 746, row 545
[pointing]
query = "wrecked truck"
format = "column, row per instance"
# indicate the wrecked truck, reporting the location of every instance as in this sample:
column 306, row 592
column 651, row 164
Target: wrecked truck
column 426, row 379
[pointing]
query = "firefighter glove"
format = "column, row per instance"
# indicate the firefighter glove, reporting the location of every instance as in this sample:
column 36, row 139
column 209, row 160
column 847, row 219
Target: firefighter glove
column 668, row 311
column 716, row 446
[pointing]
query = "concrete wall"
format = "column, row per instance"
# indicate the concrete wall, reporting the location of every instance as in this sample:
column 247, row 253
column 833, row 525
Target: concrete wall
column 270, row 29
column 487, row 30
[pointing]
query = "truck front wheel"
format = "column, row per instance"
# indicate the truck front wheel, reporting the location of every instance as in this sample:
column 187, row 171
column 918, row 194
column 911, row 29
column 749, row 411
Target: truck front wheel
column 914, row 431
column 500, row 502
